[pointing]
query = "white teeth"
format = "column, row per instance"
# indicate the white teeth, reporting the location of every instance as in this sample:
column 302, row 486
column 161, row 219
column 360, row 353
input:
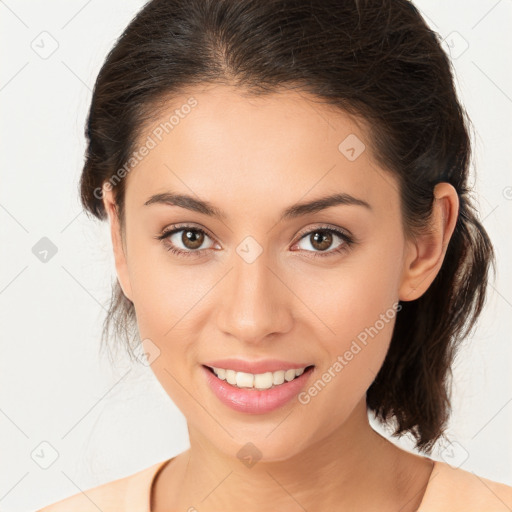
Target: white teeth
column 258, row 381
column 231, row 376
column 289, row 375
column 221, row 373
column 263, row 380
column 244, row 380
column 278, row 378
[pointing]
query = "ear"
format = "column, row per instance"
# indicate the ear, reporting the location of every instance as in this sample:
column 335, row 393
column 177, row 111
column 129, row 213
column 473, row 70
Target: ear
column 425, row 254
column 119, row 248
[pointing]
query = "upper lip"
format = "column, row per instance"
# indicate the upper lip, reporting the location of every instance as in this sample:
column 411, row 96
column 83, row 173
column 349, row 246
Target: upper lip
column 255, row 367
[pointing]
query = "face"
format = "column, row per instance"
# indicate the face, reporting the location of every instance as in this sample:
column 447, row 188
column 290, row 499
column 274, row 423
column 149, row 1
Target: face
column 318, row 286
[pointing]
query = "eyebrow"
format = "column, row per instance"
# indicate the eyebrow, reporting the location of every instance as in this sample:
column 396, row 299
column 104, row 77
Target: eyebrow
column 296, row 210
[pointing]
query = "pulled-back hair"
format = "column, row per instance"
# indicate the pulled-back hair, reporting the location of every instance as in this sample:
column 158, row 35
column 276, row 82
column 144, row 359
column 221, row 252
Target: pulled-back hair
column 373, row 59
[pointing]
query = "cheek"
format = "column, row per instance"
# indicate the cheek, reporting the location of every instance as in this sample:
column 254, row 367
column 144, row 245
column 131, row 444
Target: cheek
column 354, row 356
column 165, row 289
column 358, row 306
column 358, row 293
column 167, row 299
column 342, row 300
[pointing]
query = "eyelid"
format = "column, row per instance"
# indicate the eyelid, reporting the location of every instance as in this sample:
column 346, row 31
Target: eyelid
column 176, row 227
column 181, row 226
column 327, row 227
column 342, row 233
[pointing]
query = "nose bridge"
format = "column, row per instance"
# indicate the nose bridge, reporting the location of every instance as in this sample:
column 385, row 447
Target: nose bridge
column 255, row 302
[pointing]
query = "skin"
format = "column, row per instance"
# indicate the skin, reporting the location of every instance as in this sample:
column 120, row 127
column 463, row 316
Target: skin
column 254, row 157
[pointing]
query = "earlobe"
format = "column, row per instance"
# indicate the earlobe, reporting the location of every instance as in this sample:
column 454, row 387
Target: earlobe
column 425, row 255
column 117, row 242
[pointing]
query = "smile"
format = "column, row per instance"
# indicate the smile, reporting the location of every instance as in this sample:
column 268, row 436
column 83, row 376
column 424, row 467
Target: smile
column 265, row 380
column 256, row 393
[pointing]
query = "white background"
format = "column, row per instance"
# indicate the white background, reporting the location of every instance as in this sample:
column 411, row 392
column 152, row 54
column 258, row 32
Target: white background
column 106, row 422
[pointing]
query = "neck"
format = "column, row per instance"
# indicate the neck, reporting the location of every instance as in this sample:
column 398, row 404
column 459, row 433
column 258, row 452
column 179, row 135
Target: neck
column 354, row 467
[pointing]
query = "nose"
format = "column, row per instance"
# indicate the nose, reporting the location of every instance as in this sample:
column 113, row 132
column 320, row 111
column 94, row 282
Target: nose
column 255, row 302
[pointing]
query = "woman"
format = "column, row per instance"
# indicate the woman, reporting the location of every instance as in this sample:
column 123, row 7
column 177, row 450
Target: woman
column 286, row 183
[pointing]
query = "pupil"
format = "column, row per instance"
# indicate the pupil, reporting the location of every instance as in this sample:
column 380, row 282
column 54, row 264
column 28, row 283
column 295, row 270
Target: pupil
column 192, row 239
column 324, row 240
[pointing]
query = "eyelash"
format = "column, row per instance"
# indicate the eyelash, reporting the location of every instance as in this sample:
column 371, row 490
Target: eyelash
column 347, row 239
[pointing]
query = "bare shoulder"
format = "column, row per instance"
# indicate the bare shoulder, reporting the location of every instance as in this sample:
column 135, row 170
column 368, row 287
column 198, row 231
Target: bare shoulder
column 102, row 497
column 488, row 495
column 120, row 495
column 457, row 490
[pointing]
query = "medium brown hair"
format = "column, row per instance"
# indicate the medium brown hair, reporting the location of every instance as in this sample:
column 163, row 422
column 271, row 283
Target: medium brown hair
column 374, row 59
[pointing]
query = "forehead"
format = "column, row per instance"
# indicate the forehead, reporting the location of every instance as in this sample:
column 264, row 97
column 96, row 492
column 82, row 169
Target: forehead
column 238, row 150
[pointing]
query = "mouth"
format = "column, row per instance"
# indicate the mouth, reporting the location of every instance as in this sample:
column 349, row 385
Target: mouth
column 256, row 393
column 258, row 381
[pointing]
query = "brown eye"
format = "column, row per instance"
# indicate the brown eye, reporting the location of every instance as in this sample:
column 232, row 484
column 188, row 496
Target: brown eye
column 321, row 240
column 188, row 241
column 192, row 238
column 185, row 240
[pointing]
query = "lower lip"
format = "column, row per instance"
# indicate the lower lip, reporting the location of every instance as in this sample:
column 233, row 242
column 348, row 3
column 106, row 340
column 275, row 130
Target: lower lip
column 255, row 401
